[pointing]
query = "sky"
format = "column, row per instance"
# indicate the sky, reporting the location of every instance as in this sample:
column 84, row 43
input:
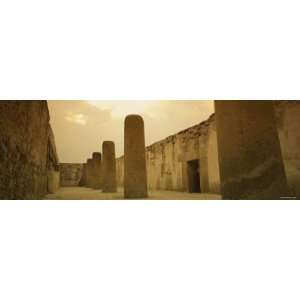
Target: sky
column 80, row 126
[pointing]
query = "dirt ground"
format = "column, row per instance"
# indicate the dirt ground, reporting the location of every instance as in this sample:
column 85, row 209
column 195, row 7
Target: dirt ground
column 83, row 193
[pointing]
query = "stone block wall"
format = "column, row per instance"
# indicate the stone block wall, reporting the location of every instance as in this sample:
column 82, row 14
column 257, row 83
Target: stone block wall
column 288, row 123
column 250, row 160
column 167, row 160
column 24, row 149
column 53, row 182
column 70, row 174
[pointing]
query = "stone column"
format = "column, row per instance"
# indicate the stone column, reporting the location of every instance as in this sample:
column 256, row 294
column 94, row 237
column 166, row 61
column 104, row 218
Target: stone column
column 135, row 177
column 89, row 172
column 250, row 159
column 53, row 181
column 109, row 179
column 96, row 179
column 82, row 181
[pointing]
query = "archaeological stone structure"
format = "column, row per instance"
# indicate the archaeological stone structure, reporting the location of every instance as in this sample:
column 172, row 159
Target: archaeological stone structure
column 89, row 172
column 250, row 159
column 167, row 161
column 288, row 125
column 245, row 150
column 70, row 174
column 96, row 171
column 135, row 174
column 109, row 180
column 189, row 160
column 28, row 159
column 53, row 182
column 83, row 180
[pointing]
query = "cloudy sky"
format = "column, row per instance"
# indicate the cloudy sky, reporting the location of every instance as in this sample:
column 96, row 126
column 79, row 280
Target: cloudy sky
column 80, row 127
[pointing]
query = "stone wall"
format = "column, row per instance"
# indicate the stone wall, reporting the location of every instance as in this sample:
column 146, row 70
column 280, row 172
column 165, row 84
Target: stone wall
column 288, row 123
column 70, row 174
column 24, row 149
column 168, row 160
column 52, row 165
column 250, row 161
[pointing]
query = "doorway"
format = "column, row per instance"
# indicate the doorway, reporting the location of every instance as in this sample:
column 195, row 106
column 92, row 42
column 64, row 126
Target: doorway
column 193, row 172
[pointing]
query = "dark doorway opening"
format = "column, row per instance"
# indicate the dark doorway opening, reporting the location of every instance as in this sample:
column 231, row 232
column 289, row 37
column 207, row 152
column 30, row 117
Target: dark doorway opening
column 193, row 171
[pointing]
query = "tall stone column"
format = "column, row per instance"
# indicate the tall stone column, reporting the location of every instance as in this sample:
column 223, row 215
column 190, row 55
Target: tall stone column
column 250, row 160
column 109, row 176
column 96, row 179
column 89, row 172
column 135, row 177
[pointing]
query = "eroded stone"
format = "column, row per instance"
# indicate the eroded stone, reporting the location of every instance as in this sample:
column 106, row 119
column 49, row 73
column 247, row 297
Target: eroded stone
column 135, row 177
column 109, row 180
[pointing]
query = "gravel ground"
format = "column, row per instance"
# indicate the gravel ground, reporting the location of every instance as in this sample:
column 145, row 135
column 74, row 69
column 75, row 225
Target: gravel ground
column 83, row 193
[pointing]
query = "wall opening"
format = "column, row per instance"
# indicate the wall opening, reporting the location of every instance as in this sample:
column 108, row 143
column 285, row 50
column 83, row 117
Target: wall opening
column 193, row 170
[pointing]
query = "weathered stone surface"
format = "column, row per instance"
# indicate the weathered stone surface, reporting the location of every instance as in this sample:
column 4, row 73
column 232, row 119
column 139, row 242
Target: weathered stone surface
column 83, row 180
column 29, row 162
column 203, row 164
column 135, row 175
column 250, row 160
column 53, row 181
column 96, row 170
column 52, row 165
column 288, row 123
column 89, row 172
column 120, row 171
column 70, row 174
column 25, row 149
column 53, row 161
column 109, row 180
column 167, row 160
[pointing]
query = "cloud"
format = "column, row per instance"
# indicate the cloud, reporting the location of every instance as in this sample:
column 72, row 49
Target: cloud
column 80, row 119
column 78, row 128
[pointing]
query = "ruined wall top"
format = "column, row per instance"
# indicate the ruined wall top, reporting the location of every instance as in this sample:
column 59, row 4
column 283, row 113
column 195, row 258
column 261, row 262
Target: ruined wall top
column 195, row 131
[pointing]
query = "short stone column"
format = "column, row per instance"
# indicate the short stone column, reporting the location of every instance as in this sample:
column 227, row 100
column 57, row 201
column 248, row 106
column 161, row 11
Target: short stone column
column 109, row 177
column 250, row 160
column 53, row 177
column 82, row 181
column 89, row 172
column 135, row 177
column 96, row 176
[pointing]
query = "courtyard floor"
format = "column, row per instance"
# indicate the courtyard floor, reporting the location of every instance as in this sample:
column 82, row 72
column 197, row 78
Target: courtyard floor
column 83, row 193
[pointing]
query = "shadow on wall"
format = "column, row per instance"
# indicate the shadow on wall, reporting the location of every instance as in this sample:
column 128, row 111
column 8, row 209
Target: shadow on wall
column 26, row 149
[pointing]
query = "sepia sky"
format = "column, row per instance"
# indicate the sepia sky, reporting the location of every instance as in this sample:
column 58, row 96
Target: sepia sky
column 80, row 127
